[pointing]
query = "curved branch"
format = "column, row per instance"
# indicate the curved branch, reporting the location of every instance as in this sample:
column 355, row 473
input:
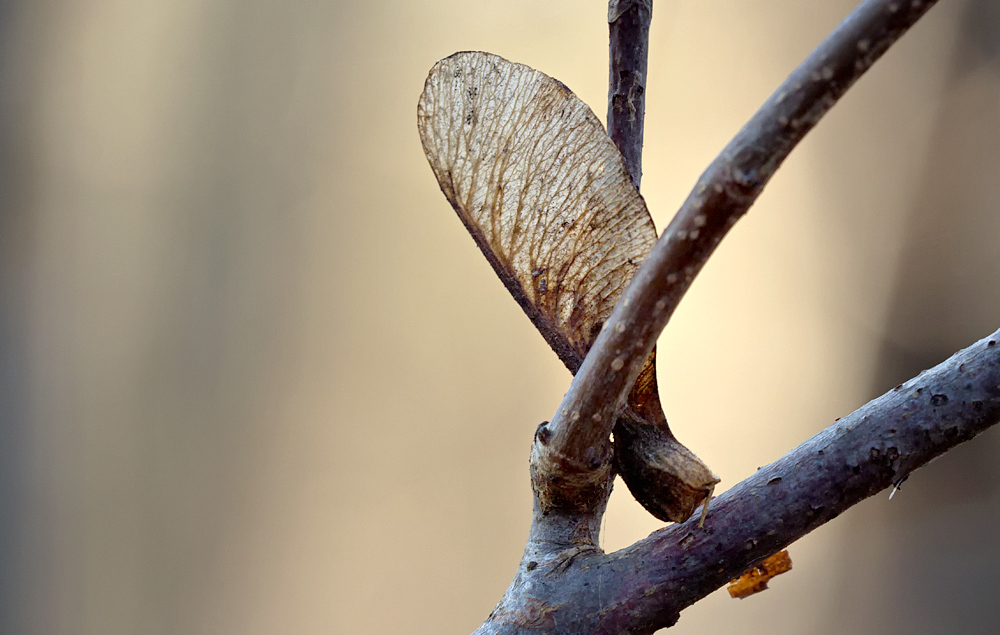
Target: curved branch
column 644, row 587
column 581, row 427
column 628, row 24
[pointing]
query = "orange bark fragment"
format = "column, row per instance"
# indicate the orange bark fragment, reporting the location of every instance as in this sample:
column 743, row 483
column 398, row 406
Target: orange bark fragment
column 755, row 580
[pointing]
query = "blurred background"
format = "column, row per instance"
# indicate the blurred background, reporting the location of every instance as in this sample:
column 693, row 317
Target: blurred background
column 255, row 378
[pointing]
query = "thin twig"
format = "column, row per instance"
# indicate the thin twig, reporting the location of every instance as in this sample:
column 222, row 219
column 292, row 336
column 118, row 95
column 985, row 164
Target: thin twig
column 628, row 24
column 727, row 189
column 645, row 586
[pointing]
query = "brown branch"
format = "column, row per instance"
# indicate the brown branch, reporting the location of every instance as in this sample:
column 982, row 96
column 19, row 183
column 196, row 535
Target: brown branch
column 578, row 434
column 565, row 583
column 644, row 587
column 628, row 24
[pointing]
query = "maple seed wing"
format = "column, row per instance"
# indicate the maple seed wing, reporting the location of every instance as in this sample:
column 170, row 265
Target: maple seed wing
column 541, row 188
column 548, row 199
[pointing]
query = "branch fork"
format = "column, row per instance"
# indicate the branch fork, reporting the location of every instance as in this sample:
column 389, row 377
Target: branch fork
column 723, row 194
column 538, row 183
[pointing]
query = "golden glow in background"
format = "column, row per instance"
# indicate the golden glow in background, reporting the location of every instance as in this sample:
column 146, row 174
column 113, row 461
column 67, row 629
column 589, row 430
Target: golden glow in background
column 266, row 383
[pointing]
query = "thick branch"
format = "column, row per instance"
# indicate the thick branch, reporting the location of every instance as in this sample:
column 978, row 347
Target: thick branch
column 581, row 427
column 645, row 586
column 862, row 454
column 628, row 23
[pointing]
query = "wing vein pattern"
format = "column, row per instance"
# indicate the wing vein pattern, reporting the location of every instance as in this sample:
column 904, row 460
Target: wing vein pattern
column 542, row 189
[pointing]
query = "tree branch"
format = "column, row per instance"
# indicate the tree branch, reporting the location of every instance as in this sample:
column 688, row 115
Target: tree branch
column 565, row 583
column 580, row 429
column 644, row 587
column 628, row 23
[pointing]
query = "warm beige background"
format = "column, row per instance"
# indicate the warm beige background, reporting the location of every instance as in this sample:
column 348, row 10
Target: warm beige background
column 257, row 379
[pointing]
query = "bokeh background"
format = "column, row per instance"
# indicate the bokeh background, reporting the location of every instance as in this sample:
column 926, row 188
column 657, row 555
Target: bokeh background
column 255, row 378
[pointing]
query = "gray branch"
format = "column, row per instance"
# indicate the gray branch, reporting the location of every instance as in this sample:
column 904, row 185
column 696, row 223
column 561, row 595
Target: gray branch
column 565, row 583
column 570, row 451
column 573, row 587
column 628, row 25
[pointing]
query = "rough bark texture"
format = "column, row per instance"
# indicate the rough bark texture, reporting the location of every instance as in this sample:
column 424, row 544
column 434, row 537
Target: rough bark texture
column 565, row 584
column 667, row 479
column 723, row 194
column 628, row 24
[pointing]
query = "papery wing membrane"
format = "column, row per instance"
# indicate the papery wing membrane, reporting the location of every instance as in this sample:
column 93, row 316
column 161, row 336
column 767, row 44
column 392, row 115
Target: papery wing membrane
column 546, row 195
column 541, row 188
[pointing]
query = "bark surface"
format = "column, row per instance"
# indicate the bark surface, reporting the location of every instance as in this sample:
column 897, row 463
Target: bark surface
column 565, row 583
